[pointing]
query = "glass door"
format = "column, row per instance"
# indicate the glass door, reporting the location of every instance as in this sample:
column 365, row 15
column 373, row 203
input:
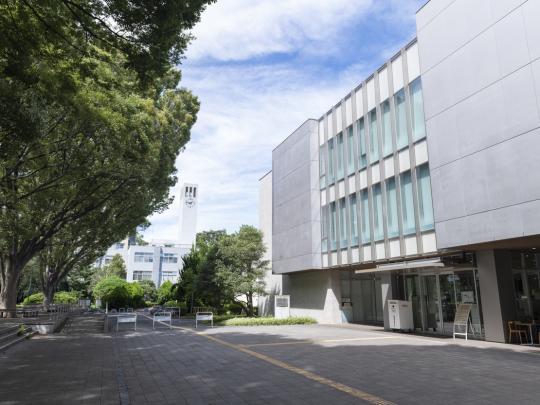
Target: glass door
column 430, row 292
column 412, row 289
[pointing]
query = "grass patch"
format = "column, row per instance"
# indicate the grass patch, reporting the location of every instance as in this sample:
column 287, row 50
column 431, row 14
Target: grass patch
column 242, row 321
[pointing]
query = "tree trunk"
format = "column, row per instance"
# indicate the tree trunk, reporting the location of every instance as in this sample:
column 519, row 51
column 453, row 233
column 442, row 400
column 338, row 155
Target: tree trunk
column 249, row 299
column 50, row 283
column 9, row 275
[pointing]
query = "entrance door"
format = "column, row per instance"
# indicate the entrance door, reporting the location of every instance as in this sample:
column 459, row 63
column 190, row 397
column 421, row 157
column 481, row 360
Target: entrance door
column 430, row 292
column 366, row 298
column 412, row 289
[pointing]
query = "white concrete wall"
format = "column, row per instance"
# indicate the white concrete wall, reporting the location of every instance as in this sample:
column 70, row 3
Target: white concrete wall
column 480, row 64
column 316, row 294
column 188, row 215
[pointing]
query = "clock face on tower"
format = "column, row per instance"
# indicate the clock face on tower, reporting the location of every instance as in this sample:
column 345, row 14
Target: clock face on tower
column 190, row 202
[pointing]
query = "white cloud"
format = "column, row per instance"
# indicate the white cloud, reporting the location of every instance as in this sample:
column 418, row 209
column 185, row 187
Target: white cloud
column 241, row 29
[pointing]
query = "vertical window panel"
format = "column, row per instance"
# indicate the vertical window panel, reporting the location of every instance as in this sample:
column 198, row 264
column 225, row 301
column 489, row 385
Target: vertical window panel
column 366, row 227
column 322, row 167
column 362, row 150
column 331, row 177
column 401, row 119
column 353, row 214
column 342, row 223
column 351, row 150
column 378, row 228
column 425, row 205
column 373, row 137
column 333, row 224
column 340, row 156
column 417, row 110
column 407, row 208
column 386, row 129
column 391, row 208
column 324, row 228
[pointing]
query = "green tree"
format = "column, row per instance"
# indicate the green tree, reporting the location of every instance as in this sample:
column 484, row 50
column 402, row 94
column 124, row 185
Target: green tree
column 240, row 267
column 149, row 290
column 136, row 295
column 114, row 291
column 92, row 118
column 115, row 268
column 78, row 280
column 165, row 292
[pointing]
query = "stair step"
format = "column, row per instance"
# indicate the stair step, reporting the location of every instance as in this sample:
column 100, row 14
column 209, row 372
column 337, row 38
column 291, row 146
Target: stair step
column 5, row 346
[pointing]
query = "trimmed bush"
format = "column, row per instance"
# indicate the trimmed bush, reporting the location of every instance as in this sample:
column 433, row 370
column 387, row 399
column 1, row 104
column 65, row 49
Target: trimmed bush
column 242, row 321
column 66, row 297
column 33, row 299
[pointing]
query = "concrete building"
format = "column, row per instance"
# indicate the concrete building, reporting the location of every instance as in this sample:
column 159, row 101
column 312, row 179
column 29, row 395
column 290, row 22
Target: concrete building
column 160, row 260
column 423, row 183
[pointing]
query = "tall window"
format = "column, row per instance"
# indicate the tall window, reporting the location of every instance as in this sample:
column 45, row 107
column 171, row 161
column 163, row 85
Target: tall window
column 340, row 156
column 351, row 156
column 417, row 110
column 378, row 228
column 353, row 214
column 386, row 128
column 366, row 227
column 331, row 177
column 373, row 137
column 324, row 228
column 391, row 208
column 407, row 208
column 342, row 223
column 425, row 206
column 322, row 167
column 401, row 119
column 362, row 150
column 143, row 257
column 333, row 223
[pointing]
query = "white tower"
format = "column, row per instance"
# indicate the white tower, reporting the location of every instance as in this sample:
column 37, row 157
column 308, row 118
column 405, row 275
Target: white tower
column 188, row 215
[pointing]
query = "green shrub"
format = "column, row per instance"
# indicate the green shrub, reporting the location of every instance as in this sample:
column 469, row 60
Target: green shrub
column 174, row 304
column 242, row 321
column 165, row 292
column 33, row 299
column 136, row 295
column 113, row 290
column 66, row 297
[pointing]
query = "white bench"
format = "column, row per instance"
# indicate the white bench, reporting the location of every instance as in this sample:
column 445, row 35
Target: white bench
column 162, row 317
column 204, row 316
column 131, row 318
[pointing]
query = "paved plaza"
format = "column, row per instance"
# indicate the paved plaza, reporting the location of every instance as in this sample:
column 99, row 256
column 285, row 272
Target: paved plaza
column 312, row 364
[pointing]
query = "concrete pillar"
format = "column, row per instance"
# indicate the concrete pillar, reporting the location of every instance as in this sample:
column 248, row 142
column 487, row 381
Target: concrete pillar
column 496, row 292
column 386, row 294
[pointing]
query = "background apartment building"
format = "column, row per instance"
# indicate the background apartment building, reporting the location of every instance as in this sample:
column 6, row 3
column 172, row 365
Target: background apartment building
column 423, row 183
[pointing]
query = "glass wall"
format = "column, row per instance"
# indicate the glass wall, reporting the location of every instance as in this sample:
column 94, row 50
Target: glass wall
column 401, row 119
column 425, row 206
column 386, row 129
column 364, row 207
column 342, row 223
column 324, row 228
column 373, row 137
column 351, row 156
column 353, row 214
column 322, row 167
column 362, row 150
column 407, row 201
column 378, row 228
column 391, row 208
column 417, row 110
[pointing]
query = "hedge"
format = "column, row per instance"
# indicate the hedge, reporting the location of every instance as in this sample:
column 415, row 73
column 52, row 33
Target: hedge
column 242, row 321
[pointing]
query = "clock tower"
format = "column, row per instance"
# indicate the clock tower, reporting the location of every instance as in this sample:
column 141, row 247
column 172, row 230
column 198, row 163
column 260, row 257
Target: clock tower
column 189, row 194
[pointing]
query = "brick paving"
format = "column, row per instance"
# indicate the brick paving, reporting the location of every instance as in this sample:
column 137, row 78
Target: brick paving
column 180, row 367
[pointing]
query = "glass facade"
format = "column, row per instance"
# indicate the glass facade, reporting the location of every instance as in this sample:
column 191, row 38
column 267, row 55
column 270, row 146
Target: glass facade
column 385, row 201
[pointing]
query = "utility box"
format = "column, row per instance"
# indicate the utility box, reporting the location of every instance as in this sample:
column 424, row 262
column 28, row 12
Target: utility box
column 282, row 306
column 400, row 315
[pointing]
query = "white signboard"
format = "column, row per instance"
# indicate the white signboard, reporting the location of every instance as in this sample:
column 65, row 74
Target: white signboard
column 282, row 306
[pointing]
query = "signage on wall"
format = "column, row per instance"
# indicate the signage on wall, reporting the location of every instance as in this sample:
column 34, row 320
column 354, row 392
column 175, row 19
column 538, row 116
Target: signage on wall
column 467, row 297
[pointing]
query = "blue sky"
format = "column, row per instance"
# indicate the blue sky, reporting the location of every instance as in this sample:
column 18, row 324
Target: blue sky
column 260, row 68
